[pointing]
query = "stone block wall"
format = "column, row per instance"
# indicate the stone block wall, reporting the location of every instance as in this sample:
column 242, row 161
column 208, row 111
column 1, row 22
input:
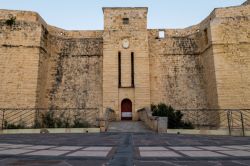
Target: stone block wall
column 246, row 3
column 78, row 77
column 46, row 67
column 203, row 66
column 175, row 69
column 114, row 34
column 71, row 70
column 230, row 31
column 19, row 57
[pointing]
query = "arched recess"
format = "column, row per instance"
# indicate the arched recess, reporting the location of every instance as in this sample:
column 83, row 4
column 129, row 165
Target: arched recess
column 126, row 109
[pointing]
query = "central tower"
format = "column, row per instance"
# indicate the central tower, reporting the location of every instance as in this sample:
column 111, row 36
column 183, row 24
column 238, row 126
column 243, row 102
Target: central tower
column 126, row 81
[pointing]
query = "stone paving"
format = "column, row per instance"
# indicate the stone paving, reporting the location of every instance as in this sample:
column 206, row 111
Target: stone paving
column 193, row 151
column 41, row 150
column 140, row 149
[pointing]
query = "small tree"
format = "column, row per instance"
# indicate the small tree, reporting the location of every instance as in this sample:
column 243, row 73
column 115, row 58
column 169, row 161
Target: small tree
column 174, row 117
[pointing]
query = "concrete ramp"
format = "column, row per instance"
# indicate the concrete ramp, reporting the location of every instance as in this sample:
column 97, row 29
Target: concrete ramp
column 129, row 126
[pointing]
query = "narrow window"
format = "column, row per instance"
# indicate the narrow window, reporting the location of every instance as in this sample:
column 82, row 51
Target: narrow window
column 125, row 20
column 132, row 70
column 161, row 35
column 206, row 36
column 119, row 69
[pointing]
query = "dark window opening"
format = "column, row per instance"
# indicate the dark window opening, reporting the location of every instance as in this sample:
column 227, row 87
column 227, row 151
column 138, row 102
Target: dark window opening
column 206, row 36
column 119, row 69
column 125, row 20
column 132, row 70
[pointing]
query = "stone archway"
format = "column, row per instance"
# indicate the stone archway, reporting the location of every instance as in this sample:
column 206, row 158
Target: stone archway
column 126, row 109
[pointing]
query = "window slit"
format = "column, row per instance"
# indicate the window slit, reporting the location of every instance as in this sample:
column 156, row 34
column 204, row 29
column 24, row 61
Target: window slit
column 132, row 70
column 119, row 69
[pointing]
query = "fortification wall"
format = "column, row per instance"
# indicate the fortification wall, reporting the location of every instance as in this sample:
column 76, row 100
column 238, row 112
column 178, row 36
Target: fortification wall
column 46, row 67
column 77, row 75
column 246, row 3
column 203, row 66
column 19, row 57
column 230, row 32
column 207, row 62
column 71, row 69
column 175, row 69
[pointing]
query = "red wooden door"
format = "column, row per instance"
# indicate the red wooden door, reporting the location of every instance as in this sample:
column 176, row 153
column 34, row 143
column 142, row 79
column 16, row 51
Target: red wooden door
column 126, row 111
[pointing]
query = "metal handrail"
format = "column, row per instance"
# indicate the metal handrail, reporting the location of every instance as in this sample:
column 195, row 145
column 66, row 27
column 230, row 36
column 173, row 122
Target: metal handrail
column 242, row 123
column 201, row 118
column 30, row 115
column 2, row 125
column 229, row 122
column 231, row 119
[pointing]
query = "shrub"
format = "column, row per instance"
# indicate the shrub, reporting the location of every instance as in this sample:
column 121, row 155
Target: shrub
column 80, row 123
column 64, row 120
column 48, row 119
column 174, row 117
column 11, row 21
column 20, row 125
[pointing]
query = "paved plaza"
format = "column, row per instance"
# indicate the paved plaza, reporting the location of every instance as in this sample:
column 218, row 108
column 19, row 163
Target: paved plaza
column 123, row 149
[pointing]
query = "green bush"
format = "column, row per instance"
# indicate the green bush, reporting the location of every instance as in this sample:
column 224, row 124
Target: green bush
column 174, row 117
column 11, row 21
column 78, row 123
column 20, row 125
column 64, row 120
column 48, row 119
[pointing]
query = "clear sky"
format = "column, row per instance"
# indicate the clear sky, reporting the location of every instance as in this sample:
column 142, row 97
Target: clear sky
column 87, row 14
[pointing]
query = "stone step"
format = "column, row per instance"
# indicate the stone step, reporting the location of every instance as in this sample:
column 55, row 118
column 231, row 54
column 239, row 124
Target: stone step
column 128, row 126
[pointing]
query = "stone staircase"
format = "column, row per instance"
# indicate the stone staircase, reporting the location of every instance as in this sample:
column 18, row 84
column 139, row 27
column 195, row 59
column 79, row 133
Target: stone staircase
column 128, row 126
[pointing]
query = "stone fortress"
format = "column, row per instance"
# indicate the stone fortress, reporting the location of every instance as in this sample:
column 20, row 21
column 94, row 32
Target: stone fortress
column 126, row 66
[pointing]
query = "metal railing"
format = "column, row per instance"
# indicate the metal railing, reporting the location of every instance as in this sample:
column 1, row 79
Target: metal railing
column 39, row 118
column 238, row 120
column 231, row 119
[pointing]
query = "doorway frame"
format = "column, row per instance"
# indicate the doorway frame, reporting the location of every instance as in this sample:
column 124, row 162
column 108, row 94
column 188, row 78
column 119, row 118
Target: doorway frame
column 131, row 108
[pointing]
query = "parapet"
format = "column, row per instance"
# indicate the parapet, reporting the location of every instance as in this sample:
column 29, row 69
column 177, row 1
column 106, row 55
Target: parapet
column 124, row 8
column 29, row 16
column 246, row 3
column 74, row 33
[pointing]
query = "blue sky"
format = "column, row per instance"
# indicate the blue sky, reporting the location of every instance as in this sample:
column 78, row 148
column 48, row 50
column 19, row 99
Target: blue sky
column 87, row 14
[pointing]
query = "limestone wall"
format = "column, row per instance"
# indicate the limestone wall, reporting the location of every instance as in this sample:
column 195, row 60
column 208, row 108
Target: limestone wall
column 114, row 34
column 230, row 32
column 207, row 62
column 78, row 79
column 19, row 57
column 175, row 69
column 71, row 70
column 46, row 67
column 203, row 66
column 247, row 2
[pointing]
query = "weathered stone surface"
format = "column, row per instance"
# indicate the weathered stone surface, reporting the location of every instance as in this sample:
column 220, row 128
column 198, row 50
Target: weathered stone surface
column 203, row 66
column 247, row 2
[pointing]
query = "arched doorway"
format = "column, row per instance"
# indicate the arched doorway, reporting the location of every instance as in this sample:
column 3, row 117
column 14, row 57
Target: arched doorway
column 126, row 109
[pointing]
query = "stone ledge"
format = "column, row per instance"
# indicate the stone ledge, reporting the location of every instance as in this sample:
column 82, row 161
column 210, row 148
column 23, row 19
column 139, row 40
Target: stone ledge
column 54, row 131
column 207, row 132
